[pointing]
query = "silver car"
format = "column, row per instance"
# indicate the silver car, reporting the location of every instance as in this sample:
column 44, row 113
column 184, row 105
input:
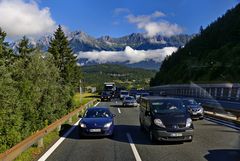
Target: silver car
column 129, row 101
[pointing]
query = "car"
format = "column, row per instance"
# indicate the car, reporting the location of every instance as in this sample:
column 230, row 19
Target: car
column 142, row 95
column 97, row 121
column 123, row 93
column 130, row 101
column 195, row 109
column 165, row 119
column 106, row 96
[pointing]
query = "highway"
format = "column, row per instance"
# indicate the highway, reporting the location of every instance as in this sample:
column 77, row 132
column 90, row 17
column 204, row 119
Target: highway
column 212, row 142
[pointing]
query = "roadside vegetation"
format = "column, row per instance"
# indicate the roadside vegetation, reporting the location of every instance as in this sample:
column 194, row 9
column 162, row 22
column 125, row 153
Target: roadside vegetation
column 96, row 75
column 33, row 152
column 36, row 88
column 212, row 56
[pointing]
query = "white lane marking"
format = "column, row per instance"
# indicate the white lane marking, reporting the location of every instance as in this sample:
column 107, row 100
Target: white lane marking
column 135, row 152
column 119, row 111
column 223, row 123
column 96, row 104
column 54, row 147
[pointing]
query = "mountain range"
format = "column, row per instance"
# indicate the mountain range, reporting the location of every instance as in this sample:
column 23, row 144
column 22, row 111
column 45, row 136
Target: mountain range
column 82, row 42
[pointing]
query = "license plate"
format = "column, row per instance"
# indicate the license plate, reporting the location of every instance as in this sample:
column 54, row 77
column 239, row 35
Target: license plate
column 176, row 134
column 95, row 130
column 194, row 113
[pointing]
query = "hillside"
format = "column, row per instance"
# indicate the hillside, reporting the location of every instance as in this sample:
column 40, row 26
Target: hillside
column 211, row 56
column 96, row 75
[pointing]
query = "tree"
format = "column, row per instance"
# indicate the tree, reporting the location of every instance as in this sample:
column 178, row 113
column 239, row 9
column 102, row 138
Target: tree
column 5, row 52
column 24, row 48
column 63, row 56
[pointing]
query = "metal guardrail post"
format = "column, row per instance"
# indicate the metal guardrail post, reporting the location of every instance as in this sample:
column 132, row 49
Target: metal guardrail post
column 238, row 118
column 70, row 120
column 40, row 143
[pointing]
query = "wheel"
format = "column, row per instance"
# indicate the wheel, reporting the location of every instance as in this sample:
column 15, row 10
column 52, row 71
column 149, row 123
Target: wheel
column 141, row 127
column 151, row 137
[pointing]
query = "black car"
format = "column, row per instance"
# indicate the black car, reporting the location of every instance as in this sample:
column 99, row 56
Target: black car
column 106, row 96
column 194, row 108
column 165, row 119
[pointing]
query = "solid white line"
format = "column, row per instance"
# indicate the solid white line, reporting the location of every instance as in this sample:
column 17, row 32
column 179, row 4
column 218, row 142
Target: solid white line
column 54, row 147
column 119, row 111
column 96, row 104
column 222, row 123
column 135, row 152
column 50, row 151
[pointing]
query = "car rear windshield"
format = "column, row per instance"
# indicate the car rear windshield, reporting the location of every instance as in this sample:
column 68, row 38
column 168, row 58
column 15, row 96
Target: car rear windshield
column 124, row 93
column 129, row 98
column 99, row 113
column 167, row 106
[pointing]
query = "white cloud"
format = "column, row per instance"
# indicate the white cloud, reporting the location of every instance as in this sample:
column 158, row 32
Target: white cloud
column 153, row 26
column 20, row 18
column 128, row 55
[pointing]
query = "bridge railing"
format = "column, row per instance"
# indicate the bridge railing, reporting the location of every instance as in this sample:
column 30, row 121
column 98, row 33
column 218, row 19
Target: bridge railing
column 37, row 137
column 229, row 93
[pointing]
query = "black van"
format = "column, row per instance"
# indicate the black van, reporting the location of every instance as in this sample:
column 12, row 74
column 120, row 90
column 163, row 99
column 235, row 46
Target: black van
column 166, row 119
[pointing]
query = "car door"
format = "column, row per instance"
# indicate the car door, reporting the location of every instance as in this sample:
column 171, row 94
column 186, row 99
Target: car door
column 147, row 116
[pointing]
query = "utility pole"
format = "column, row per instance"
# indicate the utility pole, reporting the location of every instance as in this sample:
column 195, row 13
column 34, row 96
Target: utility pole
column 80, row 90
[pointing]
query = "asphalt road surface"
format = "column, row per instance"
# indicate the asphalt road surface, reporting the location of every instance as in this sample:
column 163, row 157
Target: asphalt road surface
column 211, row 142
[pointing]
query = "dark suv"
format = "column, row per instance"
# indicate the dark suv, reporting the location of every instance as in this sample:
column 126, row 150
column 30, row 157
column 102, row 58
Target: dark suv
column 106, row 96
column 165, row 119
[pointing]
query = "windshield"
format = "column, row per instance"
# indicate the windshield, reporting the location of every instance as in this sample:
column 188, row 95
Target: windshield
column 124, row 93
column 189, row 102
column 106, row 93
column 167, row 106
column 145, row 94
column 99, row 113
column 129, row 98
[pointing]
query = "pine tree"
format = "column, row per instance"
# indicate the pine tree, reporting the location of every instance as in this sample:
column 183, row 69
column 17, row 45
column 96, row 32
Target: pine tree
column 24, row 48
column 63, row 56
column 5, row 52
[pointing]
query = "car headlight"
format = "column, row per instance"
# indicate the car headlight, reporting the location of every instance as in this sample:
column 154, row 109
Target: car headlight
column 82, row 125
column 188, row 122
column 159, row 123
column 201, row 110
column 107, row 125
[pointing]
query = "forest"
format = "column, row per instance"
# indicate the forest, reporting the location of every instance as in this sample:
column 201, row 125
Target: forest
column 36, row 88
column 212, row 56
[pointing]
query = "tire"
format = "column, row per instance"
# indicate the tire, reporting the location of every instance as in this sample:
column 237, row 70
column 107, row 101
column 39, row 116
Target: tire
column 141, row 125
column 151, row 137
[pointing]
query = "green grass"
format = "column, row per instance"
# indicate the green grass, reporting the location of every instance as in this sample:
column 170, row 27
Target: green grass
column 86, row 97
column 33, row 152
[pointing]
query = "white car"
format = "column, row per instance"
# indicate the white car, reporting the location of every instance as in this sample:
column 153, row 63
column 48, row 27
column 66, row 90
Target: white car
column 123, row 94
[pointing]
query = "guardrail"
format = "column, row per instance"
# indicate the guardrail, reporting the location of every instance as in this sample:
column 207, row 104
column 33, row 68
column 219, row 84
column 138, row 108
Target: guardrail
column 225, row 94
column 37, row 137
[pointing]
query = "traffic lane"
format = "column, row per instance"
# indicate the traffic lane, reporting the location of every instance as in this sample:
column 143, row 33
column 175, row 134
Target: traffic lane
column 75, row 148
column 211, row 141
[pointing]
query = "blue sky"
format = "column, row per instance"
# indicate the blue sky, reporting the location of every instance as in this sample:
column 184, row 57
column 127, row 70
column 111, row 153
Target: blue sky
column 110, row 17
column 97, row 17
